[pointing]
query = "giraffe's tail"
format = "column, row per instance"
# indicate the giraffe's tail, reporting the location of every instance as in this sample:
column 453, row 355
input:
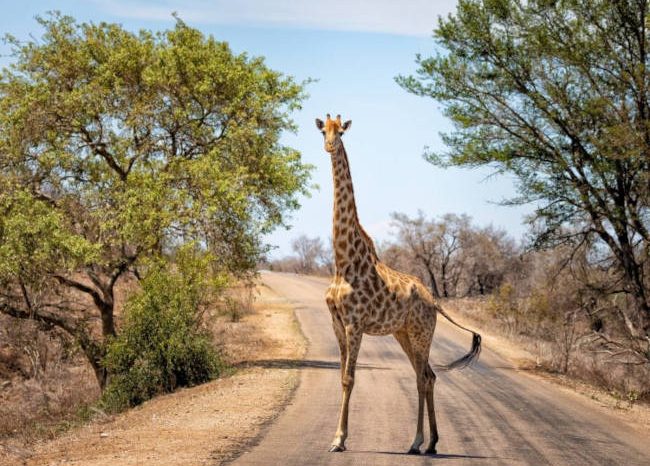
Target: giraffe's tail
column 470, row 357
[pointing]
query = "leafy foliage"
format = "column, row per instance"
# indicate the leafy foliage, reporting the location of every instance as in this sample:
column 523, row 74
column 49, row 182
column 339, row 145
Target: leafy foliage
column 34, row 238
column 163, row 344
column 556, row 93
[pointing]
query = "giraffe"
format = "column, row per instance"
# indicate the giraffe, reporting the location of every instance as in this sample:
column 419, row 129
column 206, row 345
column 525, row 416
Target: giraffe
column 366, row 296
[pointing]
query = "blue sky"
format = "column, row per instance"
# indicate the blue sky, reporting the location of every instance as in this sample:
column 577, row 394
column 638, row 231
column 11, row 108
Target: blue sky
column 354, row 49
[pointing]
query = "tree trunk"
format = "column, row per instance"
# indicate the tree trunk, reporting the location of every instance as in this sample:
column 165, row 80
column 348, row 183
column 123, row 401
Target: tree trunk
column 434, row 284
column 107, row 310
column 633, row 275
column 445, row 292
column 481, row 286
column 95, row 352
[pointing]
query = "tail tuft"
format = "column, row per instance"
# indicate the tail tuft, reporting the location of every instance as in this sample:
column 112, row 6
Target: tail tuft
column 466, row 360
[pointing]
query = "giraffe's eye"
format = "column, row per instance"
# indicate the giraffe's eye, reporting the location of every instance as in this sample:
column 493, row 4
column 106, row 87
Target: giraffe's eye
column 323, row 132
column 340, row 133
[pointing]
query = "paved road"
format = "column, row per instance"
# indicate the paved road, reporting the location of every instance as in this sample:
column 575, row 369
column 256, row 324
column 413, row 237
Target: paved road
column 488, row 414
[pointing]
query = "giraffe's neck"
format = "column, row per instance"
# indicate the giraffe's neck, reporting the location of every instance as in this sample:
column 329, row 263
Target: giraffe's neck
column 350, row 242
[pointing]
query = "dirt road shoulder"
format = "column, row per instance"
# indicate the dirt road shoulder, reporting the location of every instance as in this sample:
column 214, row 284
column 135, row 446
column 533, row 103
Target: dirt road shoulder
column 208, row 424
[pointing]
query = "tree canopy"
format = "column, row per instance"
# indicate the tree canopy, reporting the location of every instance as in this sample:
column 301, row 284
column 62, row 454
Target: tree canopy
column 116, row 146
column 556, row 92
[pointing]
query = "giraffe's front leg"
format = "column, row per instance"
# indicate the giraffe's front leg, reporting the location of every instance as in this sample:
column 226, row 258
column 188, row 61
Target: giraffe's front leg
column 353, row 337
column 339, row 331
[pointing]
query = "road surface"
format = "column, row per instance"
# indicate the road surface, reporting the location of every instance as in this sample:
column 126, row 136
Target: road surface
column 488, row 414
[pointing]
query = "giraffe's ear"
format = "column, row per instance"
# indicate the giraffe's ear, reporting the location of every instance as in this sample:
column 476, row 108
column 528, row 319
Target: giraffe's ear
column 319, row 123
column 346, row 125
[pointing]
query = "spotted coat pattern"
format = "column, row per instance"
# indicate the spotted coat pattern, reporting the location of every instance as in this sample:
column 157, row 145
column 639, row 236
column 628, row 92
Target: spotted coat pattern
column 367, row 296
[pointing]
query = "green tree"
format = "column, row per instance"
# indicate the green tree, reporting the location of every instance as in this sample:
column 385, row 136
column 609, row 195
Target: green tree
column 556, row 93
column 116, row 146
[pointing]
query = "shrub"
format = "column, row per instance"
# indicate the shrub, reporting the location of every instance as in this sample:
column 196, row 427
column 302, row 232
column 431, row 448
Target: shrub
column 504, row 306
column 163, row 344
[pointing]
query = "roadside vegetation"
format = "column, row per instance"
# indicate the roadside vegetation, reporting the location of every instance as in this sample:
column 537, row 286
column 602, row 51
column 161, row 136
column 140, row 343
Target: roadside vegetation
column 163, row 342
column 138, row 173
column 555, row 94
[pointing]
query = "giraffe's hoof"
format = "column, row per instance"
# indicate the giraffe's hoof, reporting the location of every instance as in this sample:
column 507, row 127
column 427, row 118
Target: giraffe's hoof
column 413, row 451
column 336, row 448
column 431, row 451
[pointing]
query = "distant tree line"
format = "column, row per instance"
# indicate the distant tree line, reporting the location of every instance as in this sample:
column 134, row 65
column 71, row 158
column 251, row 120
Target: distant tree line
column 451, row 255
column 310, row 256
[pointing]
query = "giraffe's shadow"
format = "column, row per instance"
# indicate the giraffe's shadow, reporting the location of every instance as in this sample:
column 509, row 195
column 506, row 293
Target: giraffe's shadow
column 302, row 363
column 436, row 456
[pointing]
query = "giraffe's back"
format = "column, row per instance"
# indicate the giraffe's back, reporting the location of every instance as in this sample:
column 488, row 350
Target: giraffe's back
column 383, row 301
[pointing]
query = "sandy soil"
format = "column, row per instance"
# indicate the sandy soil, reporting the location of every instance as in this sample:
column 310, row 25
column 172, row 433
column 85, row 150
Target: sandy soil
column 208, row 424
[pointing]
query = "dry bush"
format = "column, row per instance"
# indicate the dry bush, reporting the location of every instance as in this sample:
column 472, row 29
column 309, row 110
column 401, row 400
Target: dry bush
column 44, row 381
column 311, row 256
column 237, row 301
column 628, row 383
column 551, row 312
column 288, row 264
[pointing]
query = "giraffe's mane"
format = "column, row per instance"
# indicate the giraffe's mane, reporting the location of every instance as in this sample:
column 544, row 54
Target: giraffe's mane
column 369, row 241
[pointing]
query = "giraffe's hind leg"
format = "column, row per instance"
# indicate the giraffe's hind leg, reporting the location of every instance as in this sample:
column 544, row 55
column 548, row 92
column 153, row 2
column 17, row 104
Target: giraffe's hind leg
column 430, row 377
column 418, row 361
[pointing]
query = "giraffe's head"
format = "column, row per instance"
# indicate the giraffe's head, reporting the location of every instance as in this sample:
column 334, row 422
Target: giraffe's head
column 332, row 130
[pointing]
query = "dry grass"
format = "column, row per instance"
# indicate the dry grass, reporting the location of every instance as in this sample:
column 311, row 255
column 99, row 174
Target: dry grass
column 205, row 424
column 256, row 333
column 587, row 376
column 44, row 383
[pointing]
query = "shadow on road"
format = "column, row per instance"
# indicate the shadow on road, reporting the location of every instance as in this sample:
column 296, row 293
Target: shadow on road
column 438, row 455
column 300, row 363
